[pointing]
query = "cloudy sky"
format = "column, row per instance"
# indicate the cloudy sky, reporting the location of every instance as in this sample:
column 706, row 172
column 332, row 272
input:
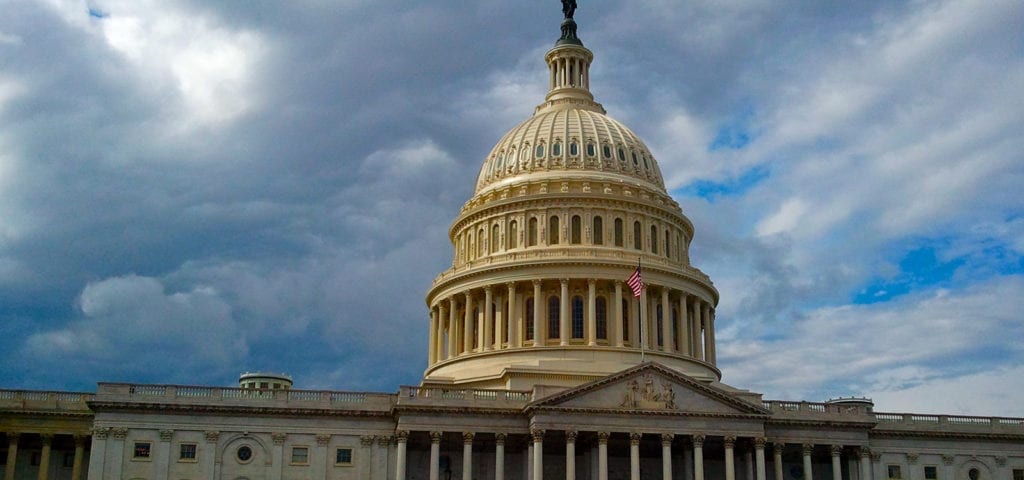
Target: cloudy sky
column 192, row 189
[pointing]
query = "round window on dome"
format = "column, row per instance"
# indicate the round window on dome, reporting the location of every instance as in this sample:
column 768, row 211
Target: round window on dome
column 556, row 149
column 540, row 151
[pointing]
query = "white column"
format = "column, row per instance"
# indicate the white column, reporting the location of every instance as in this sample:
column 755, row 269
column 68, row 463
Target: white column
column 570, row 455
column 467, row 455
column 730, row 462
column 76, row 465
column 616, row 325
column 12, row 453
column 865, row 464
column 467, row 325
column 402, row 439
column 602, row 455
column 808, row 448
column 117, row 453
column 514, row 324
column 488, row 329
column 634, row 456
column 759, row 444
column 529, row 461
column 666, row 456
column 435, row 455
column 452, row 321
column 947, row 461
column 698, row 350
column 365, row 462
column 714, row 346
column 564, row 325
column 439, row 335
column 163, row 455
column 538, row 454
column 777, row 460
column 97, row 454
column 538, row 307
column 709, row 338
column 837, row 468
column 698, row 457
column 432, row 347
column 592, row 312
column 499, row 456
column 44, row 456
column 500, row 322
column 684, row 326
column 666, row 322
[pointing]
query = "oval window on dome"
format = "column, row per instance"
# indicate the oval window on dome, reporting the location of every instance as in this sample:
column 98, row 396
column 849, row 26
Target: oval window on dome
column 522, row 153
column 556, row 149
column 574, row 149
column 591, row 150
column 501, row 161
column 607, row 151
column 622, row 155
column 540, row 151
column 635, row 162
column 646, row 166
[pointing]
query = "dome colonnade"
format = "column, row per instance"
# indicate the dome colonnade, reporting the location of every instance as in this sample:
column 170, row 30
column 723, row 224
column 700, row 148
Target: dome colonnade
column 566, row 204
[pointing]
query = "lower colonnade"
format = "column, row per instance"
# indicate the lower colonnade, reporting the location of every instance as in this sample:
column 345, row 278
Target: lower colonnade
column 681, row 456
column 44, row 453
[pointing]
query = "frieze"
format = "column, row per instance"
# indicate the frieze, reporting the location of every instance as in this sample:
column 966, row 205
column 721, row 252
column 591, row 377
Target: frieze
column 649, row 397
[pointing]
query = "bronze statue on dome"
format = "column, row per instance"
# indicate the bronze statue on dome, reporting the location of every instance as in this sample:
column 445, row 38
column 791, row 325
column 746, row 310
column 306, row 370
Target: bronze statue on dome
column 568, row 8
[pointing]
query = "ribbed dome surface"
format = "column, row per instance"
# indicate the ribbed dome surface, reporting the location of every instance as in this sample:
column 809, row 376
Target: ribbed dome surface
column 567, row 138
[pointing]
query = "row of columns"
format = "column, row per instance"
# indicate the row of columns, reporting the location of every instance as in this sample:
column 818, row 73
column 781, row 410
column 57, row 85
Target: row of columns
column 569, row 71
column 696, row 456
column 46, row 441
column 687, row 321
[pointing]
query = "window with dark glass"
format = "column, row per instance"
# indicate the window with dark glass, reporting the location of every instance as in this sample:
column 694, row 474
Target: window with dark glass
column 244, row 453
column 625, row 320
column 601, row 311
column 894, row 471
column 556, row 149
column 675, row 328
column 187, row 451
column 494, row 238
column 591, row 150
column 529, row 318
column 343, row 456
column 576, row 226
column 598, row 226
column 635, row 161
column 668, row 247
column 638, row 240
column 622, row 154
column 476, row 336
column 141, row 450
column 532, row 237
column 618, row 232
column 554, row 317
column 300, row 455
column 574, row 149
column 931, row 472
column 577, row 317
column 553, row 230
column 661, row 337
column 540, row 151
column 607, row 151
column 513, row 234
column 654, row 239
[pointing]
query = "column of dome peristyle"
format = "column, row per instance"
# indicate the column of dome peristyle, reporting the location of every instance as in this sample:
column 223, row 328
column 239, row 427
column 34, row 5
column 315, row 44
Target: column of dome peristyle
column 564, row 205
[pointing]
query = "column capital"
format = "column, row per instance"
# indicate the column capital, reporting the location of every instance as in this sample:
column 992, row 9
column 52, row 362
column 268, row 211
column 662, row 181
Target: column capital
column 488, row 288
column 537, row 434
column 864, row 452
column 165, row 435
column 836, row 450
column 1001, row 461
column 119, row 433
column 912, row 458
column 602, row 438
column 570, row 436
column 99, row 433
column 666, row 438
column 385, row 440
column 510, row 285
column 323, row 440
column 778, row 447
column 634, row 438
column 760, row 442
column 618, row 283
column 536, row 282
column 435, row 437
column 591, row 282
column 876, row 457
column 947, row 459
column 366, row 440
column 563, row 281
column 730, row 441
column 698, row 440
column 279, row 438
column 468, row 294
column 499, row 438
column 79, row 440
column 46, row 438
column 808, row 448
column 12, row 437
column 467, row 437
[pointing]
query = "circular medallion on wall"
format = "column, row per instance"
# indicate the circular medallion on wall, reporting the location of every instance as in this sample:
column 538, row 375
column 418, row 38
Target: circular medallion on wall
column 244, row 454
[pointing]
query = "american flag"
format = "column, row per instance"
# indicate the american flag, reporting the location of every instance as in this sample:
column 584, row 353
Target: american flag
column 635, row 282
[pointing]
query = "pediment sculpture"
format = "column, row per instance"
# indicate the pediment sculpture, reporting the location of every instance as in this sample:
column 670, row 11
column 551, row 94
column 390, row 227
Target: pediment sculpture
column 648, row 395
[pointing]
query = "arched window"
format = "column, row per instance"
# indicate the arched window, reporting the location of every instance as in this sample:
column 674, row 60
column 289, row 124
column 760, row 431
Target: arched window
column 495, row 232
column 576, row 227
column 556, row 149
column 625, row 320
column 480, row 243
column 577, row 317
column 532, row 234
column 554, row 317
column 661, row 338
column 607, row 151
column 618, row 232
column 598, row 231
column 654, row 239
column 574, row 149
column 622, row 155
column 553, row 230
column 591, row 150
column 540, row 151
column 501, row 161
column 638, row 240
column 476, row 336
column 601, row 308
column 513, row 234
column 529, row 318
column 676, row 327
column 668, row 246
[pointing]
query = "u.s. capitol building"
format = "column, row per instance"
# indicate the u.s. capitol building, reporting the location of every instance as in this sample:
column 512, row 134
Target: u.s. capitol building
column 542, row 363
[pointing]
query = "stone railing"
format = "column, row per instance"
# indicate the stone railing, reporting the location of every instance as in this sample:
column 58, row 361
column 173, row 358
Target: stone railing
column 463, row 397
column 542, row 253
column 818, row 411
column 29, row 400
column 226, row 396
column 918, row 421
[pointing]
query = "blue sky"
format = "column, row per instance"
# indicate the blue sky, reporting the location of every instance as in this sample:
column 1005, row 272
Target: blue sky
column 189, row 190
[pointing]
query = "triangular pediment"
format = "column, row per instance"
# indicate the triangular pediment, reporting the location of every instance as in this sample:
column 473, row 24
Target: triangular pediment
column 651, row 387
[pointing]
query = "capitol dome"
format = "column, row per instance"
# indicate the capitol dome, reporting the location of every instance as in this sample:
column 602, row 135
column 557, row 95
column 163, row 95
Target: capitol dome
column 567, row 205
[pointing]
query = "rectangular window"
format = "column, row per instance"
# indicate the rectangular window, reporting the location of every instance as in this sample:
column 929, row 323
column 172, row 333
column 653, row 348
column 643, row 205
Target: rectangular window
column 1018, row 474
column 187, row 451
column 895, row 472
column 343, row 456
column 300, row 455
column 931, row 472
column 142, row 450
